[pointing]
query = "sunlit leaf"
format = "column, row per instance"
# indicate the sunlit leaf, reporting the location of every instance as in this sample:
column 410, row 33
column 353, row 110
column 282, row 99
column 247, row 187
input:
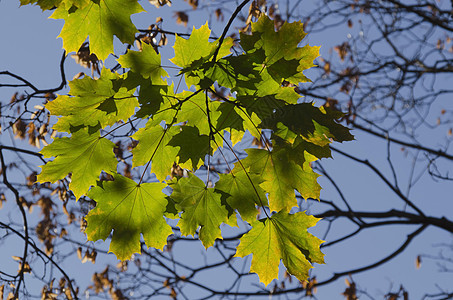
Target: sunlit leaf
column 154, row 146
column 129, row 209
column 243, row 193
column 94, row 102
column 146, row 62
column 281, row 175
column 99, row 20
column 202, row 208
column 83, row 155
column 282, row 237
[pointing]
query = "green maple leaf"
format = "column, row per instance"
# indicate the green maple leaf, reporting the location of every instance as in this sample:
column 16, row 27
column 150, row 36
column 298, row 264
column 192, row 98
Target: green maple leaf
column 282, row 237
column 156, row 100
column 231, row 121
column 238, row 117
column 193, row 55
column 154, row 145
column 243, row 193
column 301, row 148
column 76, row 3
column 201, row 206
column 194, row 111
column 282, row 174
column 197, row 48
column 99, row 102
column 291, row 70
column 276, row 45
column 100, row 20
column 146, row 63
column 44, row 4
column 316, row 125
column 83, row 155
column 234, row 72
column 191, row 154
column 251, row 121
column 155, row 97
column 261, row 103
column 49, row 4
column 129, row 209
column 267, row 86
column 282, row 56
column 262, row 107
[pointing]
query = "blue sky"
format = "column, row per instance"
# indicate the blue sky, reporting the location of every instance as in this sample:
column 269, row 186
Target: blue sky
column 30, row 49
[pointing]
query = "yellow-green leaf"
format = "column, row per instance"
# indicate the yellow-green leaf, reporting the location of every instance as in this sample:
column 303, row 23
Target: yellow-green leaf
column 146, row 63
column 94, row 102
column 282, row 237
column 83, row 155
column 195, row 47
column 129, row 209
column 153, row 145
column 282, row 175
column 99, row 20
column 191, row 155
column 243, row 193
column 201, row 207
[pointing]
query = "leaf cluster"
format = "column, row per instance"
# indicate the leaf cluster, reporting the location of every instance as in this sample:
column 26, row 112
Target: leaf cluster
column 226, row 95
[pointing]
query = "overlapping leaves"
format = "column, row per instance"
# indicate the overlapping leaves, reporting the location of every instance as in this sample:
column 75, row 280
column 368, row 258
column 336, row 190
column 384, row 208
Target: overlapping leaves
column 94, row 103
column 129, row 209
column 201, row 207
column 228, row 95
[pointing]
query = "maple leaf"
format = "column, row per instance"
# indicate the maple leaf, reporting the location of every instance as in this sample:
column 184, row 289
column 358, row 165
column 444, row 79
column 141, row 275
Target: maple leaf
column 195, row 47
column 234, row 118
column 282, row 56
column 49, row 4
column 276, row 45
column 194, row 54
column 146, row 62
column 316, row 125
column 194, row 111
column 100, row 20
column 230, row 120
column 251, row 121
column 154, row 97
column 291, row 70
column 232, row 94
column 129, row 209
column 76, row 3
column 44, row 4
column 201, row 206
column 262, row 107
column 83, row 155
column 254, row 104
column 302, row 148
column 243, row 193
column 154, row 145
column 281, row 237
column 191, row 155
column 99, row 102
column 235, row 72
column 282, row 174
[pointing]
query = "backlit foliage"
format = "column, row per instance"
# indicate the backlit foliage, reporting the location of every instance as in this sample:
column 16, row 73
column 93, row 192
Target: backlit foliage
column 218, row 97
